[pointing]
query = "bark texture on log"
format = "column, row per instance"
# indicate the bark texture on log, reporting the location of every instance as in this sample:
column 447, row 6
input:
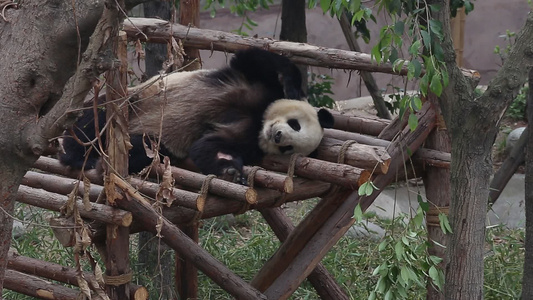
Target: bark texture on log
column 37, row 287
column 53, row 271
column 372, row 158
column 323, row 282
column 55, row 202
column 158, row 31
column 179, row 241
column 343, row 175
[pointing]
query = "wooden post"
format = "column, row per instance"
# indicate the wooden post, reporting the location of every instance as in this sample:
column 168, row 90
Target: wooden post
column 438, row 192
column 186, row 272
column 458, row 35
column 118, row 272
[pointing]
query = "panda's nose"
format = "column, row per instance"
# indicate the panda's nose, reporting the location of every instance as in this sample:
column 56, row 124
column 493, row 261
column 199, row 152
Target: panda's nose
column 277, row 137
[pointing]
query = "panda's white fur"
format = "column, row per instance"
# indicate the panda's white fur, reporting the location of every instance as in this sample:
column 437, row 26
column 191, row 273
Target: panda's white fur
column 278, row 136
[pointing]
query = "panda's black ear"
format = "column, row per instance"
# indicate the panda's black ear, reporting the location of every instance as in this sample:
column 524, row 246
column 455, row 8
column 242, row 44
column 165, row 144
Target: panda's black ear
column 325, row 118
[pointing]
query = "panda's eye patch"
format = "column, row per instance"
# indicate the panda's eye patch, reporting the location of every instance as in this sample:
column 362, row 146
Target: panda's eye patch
column 294, row 124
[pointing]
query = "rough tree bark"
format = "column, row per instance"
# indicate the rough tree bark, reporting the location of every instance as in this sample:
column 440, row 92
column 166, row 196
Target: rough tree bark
column 527, row 279
column 472, row 123
column 37, row 57
column 47, row 65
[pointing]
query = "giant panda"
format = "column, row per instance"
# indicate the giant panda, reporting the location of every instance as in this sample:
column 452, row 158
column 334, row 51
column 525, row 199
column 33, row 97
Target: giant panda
column 221, row 119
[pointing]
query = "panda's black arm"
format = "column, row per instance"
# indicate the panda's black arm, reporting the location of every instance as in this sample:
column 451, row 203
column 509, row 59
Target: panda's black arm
column 274, row 71
column 212, row 154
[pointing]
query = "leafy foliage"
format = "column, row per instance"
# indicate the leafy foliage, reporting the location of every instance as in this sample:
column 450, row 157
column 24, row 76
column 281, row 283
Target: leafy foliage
column 318, row 89
column 517, row 108
column 241, row 9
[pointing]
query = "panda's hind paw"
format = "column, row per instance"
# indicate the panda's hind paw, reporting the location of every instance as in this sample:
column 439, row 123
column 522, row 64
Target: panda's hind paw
column 232, row 174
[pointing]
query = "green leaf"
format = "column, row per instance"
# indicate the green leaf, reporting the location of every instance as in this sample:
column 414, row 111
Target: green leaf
column 404, row 273
column 434, row 7
column 325, row 4
column 418, row 67
column 410, row 71
column 366, row 189
column 416, row 103
column 435, row 259
column 398, row 248
column 445, row 223
column 415, row 47
column 355, row 5
column 426, row 37
column 413, row 122
column 358, row 213
column 382, row 245
column 376, row 53
column 423, row 204
column 435, row 276
column 424, row 84
column 399, row 27
column 445, row 77
column 358, row 16
column 436, row 27
column 436, row 86
column 372, row 296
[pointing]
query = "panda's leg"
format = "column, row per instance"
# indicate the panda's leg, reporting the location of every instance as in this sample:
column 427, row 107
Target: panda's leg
column 213, row 154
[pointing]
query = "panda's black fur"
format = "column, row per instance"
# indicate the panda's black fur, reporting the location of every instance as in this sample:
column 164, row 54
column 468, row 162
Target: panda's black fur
column 214, row 117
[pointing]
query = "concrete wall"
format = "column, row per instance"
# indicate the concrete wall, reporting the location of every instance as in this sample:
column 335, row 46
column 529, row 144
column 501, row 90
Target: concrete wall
column 483, row 30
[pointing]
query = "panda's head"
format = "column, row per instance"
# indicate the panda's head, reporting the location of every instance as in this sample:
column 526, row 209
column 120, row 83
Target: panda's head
column 293, row 126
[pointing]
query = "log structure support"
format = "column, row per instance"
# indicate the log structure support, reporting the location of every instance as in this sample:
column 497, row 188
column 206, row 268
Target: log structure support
column 357, row 150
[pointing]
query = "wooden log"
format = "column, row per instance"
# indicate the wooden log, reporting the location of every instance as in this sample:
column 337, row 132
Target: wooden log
column 365, row 125
column 395, row 126
column 52, row 201
column 59, row 185
column 116, row 162
column 508, row 167
column 186, row 278
column 323, row 282
column 37, row 287
column 327, row 235
column 216, row 206
column 372, row 158
column 181, row 197
column 188, row 249
column 411, row 140
column 431, row 157
column 159, row 31
column 438, row 192
column 223, row 188
column 53, row 271
column 358, row 137
column 295, row 242
column 343, row 175
column 271, row 180
column 52, row 165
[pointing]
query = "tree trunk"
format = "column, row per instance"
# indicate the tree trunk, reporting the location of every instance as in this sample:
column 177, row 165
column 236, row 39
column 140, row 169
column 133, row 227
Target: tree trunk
column 37, row 57
column 472, row 123
column 527, row 279
column 293, row 28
